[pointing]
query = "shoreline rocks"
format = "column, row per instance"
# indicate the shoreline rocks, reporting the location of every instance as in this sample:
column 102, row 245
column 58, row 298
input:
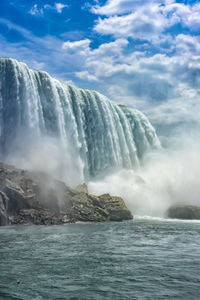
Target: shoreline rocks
column 35, row 198
column 185, row 212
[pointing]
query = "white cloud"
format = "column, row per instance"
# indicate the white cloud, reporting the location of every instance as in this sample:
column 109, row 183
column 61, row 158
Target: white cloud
column 186, row 43
column 38, row 65
column 160, row 74
column 166, row 87
column 114, row 7
column 36, row 11
column 188, row 15
column 164, row 81
column 85, row 75
column 112, row 48
column 60, row 7
column 147, row 22
column 193, row 19
column 177, row 111
column 69, row 82
column 78, row 47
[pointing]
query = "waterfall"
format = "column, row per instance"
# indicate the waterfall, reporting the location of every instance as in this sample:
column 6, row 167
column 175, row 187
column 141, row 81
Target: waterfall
column 93, row 134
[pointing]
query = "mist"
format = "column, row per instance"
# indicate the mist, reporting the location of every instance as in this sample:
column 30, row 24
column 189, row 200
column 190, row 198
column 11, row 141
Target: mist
column 47, row 155
column 166, row 177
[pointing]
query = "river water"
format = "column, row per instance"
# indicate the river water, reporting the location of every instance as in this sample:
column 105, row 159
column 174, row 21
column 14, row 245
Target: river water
column 141, row 259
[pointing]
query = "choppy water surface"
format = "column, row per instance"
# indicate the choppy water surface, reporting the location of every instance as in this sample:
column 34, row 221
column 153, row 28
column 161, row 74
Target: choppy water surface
column 139, row 259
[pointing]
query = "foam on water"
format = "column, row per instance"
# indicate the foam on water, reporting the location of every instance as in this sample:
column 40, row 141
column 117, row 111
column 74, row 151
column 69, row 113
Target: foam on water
column 160, row 219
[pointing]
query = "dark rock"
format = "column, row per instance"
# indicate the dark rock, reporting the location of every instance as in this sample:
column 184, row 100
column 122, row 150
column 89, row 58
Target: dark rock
column 115, row 207
column 37, row 217
column 35, row 198
column 188, row 212
column 3, row 209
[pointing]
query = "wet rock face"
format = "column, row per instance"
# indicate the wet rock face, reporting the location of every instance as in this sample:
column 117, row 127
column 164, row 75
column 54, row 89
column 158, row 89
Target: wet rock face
column 3, row 208
column 35, row 198
column 187, row 212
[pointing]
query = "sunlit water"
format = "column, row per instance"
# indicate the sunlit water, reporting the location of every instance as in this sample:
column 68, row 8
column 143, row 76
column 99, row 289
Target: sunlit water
column 140, row 259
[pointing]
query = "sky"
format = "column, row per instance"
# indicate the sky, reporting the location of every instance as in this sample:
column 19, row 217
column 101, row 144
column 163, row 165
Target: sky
column 145, row 54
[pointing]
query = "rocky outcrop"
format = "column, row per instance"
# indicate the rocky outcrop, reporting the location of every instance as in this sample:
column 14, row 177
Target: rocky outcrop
column 187, row 212
column 82, row 188
column 35, row 198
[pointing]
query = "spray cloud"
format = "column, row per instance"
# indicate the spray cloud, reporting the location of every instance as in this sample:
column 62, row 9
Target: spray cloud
column 166, row 177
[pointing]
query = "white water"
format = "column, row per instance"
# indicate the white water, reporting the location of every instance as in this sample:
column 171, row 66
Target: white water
column 166, row 177
column 161, row 219
column 72, row 133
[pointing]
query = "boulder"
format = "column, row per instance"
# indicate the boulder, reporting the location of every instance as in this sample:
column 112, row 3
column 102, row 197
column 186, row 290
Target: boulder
column 187, row 212
column 115, row 207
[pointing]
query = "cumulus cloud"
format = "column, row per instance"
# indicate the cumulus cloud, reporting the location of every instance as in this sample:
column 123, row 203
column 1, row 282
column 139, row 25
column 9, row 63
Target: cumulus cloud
column 78, row 47
column 189, row 44
column 166, row 86
column 188, row 15
column 100, row 62
column 145, row 23
column 112, row 48
column 113, row 7
column 85, row 75
column 148, row 20
column 149, row 57
column 161, row 73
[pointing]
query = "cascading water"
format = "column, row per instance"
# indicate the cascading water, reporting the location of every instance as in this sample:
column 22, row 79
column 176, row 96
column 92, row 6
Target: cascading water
column 92, row 133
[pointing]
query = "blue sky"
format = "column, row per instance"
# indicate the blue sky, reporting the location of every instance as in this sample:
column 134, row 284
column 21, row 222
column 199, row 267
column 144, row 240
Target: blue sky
column 145, row 54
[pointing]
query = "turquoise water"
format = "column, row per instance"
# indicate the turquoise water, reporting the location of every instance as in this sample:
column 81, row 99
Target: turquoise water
column 139, row 259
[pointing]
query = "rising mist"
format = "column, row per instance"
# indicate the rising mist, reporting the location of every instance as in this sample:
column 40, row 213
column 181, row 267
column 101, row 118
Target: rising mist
column 166, row 177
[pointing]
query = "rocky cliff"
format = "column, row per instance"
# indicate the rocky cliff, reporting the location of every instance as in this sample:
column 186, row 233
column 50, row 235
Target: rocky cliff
column 35, row 198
